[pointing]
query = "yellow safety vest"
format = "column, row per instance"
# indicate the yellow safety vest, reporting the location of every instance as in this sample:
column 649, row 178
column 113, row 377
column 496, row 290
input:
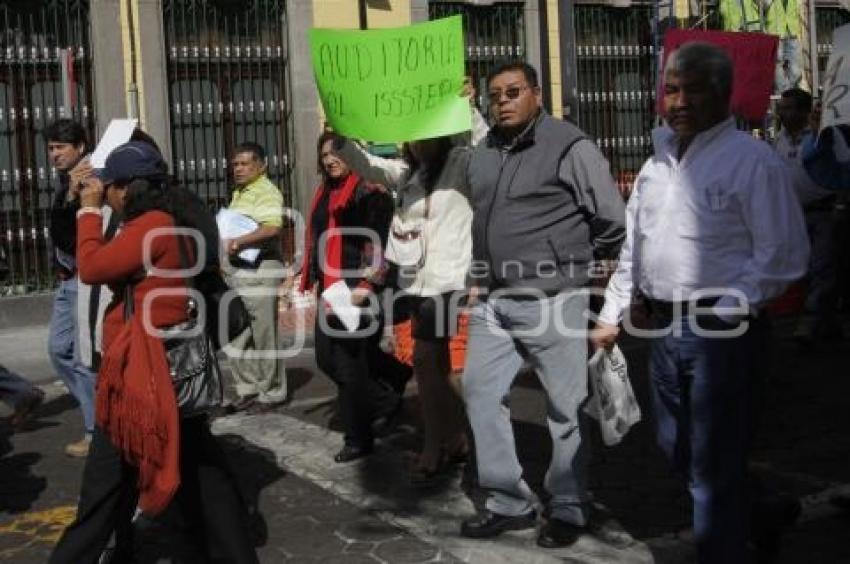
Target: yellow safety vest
column 783, row 18
column 740, row 15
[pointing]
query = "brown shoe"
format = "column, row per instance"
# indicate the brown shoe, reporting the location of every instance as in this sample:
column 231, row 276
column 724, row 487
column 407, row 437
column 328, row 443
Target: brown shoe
column 79, row 449
column 26, row 407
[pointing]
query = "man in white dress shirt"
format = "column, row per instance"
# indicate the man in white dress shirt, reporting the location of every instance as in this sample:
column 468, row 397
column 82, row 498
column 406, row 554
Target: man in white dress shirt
column 713, row 231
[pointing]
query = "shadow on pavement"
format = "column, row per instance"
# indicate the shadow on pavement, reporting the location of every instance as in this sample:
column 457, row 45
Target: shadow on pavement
column 54, row 407
column 19, row 487
column 253, row 469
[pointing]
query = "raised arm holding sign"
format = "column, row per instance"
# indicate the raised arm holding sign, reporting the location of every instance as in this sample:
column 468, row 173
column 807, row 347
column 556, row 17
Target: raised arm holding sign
column 392, row 85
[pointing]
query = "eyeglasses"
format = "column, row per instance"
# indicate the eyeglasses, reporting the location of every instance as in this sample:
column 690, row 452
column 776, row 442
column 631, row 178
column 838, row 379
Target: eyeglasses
column 511, row 93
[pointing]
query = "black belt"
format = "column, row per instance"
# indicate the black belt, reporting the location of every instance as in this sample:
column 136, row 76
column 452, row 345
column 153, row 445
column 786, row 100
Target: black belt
column 680, row 309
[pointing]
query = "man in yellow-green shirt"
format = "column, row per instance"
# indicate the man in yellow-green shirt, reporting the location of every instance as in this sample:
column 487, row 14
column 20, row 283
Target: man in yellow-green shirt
column 259, row 374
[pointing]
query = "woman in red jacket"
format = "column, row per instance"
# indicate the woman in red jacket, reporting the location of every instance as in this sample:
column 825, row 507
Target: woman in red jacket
column 143, row 454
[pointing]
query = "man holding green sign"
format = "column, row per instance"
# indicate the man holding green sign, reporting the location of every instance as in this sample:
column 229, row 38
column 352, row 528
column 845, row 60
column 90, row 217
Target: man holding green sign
column 392, row 85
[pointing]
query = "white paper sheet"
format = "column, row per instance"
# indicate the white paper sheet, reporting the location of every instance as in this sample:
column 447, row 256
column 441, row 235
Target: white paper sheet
column 338, row 296
column 117, row 133
column 232, row 225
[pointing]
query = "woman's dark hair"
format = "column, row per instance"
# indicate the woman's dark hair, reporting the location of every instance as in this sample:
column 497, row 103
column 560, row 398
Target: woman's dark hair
column 324, row 138
column 140, row 135
column 146, row 194
column 431, row 173
column 187, row 209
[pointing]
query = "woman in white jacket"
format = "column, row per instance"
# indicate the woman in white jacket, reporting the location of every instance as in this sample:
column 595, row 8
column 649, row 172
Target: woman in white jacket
column 430, row 248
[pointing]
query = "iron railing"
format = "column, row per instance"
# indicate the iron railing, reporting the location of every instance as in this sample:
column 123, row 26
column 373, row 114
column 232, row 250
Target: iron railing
column 493, row 35
column 227, row 66
column 826, row 20
column 616, row 82
column 45, row 74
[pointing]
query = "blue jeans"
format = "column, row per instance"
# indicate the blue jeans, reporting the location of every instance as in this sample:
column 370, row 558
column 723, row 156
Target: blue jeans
column 502, row 334
column 13, row 387
column 63, row 348
column 703, row 392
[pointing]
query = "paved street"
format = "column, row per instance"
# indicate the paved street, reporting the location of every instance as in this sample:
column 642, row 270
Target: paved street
column 306, row 508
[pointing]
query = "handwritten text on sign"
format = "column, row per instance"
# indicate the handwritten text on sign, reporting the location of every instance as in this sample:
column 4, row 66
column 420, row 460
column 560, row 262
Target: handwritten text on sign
column 836, row 81
column 391, row 85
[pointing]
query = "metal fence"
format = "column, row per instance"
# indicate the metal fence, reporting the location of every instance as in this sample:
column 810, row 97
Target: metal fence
column 616, row 83
column 826, row 20
column 45, row 74
column 493, row 35
column 227, row 66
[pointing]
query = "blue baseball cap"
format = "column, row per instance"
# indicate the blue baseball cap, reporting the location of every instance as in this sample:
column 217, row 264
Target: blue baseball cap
column 135, row 159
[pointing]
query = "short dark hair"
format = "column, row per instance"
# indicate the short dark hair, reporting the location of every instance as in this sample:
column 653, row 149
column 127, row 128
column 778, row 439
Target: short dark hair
column 707, row 60
column 250, row 147
column 801, row 98
column 527, row 70
column 66, row 131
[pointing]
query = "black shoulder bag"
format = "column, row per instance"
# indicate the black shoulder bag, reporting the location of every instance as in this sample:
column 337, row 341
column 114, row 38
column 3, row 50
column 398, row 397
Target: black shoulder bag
column 192, row 363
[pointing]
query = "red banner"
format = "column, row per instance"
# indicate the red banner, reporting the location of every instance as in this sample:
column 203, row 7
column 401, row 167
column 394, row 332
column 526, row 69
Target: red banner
column 754, row 58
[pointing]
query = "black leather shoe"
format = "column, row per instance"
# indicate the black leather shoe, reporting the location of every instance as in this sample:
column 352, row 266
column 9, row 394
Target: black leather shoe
column 489, row 524
column 558, row 534
column 349, row 453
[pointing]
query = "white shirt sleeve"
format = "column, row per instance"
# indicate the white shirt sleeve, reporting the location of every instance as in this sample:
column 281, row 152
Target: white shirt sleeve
column 780, row 243
column 479, row 127
column 387, row 172
column 618, row 294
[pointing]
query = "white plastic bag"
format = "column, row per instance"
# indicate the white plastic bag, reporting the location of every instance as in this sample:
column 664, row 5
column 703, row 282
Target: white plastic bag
column 613, row 403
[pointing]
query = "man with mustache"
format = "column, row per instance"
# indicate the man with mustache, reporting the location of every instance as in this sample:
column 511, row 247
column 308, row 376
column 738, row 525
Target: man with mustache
column 713, row 231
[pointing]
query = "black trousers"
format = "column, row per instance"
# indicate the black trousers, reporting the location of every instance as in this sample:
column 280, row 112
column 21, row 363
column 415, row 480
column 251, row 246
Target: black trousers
column 370, row 382
column 208, row 499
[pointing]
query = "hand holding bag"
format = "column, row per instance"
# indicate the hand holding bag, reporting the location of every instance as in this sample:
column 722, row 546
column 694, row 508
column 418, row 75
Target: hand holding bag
column 613, row 403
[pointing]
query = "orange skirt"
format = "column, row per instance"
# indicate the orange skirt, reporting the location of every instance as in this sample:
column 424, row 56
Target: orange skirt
column 457, row 343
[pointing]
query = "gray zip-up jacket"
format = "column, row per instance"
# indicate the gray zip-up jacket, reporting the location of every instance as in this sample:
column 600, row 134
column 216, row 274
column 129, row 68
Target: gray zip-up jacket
column 544, row 207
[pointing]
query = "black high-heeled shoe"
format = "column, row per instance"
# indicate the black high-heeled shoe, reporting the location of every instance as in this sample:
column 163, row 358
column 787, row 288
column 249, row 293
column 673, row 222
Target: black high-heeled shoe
column 351, row 452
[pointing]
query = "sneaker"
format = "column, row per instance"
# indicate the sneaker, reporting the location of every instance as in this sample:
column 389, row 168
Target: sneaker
column 79, row 449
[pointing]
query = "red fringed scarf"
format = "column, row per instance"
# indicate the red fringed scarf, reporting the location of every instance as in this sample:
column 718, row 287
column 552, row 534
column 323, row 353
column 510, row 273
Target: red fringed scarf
column 338, row 201
column 137, row 409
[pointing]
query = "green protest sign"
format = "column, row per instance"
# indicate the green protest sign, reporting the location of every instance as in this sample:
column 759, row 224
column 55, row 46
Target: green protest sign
column 391, row 85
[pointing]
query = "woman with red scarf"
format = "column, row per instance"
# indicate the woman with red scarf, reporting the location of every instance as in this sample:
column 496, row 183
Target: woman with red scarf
column 344, row 209
column 143, row 454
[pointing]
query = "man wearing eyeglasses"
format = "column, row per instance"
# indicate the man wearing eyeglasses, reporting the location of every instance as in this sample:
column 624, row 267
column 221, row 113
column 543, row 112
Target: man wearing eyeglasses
column 544, row 208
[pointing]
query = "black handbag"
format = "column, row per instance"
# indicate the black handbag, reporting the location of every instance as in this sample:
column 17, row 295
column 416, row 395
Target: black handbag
column 192, row 363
